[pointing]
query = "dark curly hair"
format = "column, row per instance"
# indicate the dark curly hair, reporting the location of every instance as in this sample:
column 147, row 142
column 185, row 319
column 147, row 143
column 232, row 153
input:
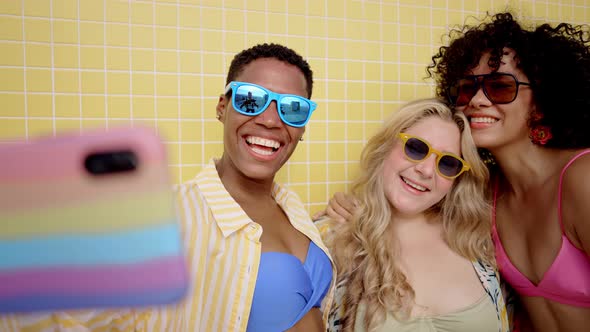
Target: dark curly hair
column 556, row 60
column 276, row 51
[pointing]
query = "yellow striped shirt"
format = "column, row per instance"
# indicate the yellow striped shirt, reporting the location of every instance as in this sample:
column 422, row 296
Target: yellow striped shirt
column 223, row 254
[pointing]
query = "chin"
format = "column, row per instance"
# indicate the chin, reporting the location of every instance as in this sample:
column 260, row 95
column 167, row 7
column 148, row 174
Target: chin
column 408, row 209
column 262, row 172
column 485, row 141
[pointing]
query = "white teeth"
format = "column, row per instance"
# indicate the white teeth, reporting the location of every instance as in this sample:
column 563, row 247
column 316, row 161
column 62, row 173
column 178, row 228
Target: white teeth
column 263, row 142
column 413, row 185
column 261, row 151
column 482, row 120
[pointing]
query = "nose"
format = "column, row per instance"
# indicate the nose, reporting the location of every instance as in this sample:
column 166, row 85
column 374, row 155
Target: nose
column 427, row 167
column 479, row 99
column 270, row 117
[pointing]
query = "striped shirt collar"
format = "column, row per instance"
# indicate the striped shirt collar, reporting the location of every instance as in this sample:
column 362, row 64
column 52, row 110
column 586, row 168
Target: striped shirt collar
column 230, row 217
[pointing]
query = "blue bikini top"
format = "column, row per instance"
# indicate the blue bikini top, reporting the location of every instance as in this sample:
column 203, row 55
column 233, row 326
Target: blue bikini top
column 286, row 289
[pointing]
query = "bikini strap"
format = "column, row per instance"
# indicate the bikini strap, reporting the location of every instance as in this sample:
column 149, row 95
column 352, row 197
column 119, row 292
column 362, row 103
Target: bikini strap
column 559, row 189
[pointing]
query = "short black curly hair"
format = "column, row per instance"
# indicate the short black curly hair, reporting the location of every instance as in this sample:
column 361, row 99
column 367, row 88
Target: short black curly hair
column 270, row 50
column 556, row 60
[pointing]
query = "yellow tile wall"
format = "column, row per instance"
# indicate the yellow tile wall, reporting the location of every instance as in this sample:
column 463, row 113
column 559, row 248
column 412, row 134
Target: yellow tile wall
column 79, row 64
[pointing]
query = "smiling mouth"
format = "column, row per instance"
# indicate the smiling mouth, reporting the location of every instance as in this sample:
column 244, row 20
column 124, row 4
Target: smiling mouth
column 482, row 119
column 262, row 146
column 414, row 185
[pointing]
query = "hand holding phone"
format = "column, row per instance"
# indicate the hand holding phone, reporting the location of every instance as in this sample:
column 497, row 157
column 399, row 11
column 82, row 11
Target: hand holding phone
column 87, row 220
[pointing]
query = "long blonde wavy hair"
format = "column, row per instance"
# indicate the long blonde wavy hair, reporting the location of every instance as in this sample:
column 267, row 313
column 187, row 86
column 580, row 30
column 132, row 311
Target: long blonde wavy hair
column 364, row 250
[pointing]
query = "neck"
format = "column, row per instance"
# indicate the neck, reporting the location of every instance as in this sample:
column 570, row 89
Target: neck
column 402, row 221
column 527, row 166
column 421, row 228
column 241, row 187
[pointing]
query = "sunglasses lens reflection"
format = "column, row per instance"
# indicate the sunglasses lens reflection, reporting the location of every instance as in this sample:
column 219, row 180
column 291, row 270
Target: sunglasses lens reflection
column 250, row 99
column 294, row 110
column 253, row 100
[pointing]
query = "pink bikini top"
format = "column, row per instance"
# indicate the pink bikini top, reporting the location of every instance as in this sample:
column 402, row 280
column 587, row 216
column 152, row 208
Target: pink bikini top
column 568, row 278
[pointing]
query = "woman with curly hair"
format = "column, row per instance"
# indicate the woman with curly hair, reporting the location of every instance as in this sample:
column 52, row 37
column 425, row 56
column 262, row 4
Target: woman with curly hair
column 526, row 93
column 417, row 252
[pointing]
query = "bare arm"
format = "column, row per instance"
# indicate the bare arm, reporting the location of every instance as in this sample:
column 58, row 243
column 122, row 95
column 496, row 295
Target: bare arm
column 340, row 208
column 576, row 202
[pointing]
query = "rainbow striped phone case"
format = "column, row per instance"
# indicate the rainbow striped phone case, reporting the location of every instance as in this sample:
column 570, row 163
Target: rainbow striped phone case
column 88, row 221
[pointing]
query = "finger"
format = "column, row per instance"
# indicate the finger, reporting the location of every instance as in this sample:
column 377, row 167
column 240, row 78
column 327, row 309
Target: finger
column 345, row 201
column 318, row 215
column 335, row 215
column 344, row 207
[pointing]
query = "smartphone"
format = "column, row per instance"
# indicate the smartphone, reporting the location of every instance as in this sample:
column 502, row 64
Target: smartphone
column 88, row 221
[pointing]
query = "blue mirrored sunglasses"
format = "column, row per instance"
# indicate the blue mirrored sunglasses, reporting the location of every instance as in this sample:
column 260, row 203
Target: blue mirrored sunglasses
column 251, row 99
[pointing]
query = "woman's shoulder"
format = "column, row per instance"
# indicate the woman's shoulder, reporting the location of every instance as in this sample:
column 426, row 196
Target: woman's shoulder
column 574, row 181
column 574, row 190
column 577, row 168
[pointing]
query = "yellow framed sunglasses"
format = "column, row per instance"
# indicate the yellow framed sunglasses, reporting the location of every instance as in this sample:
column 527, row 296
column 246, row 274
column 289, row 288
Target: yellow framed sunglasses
column 448, row 165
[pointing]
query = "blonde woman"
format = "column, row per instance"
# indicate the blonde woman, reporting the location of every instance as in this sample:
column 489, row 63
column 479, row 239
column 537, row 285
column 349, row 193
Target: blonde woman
column 417, row 253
